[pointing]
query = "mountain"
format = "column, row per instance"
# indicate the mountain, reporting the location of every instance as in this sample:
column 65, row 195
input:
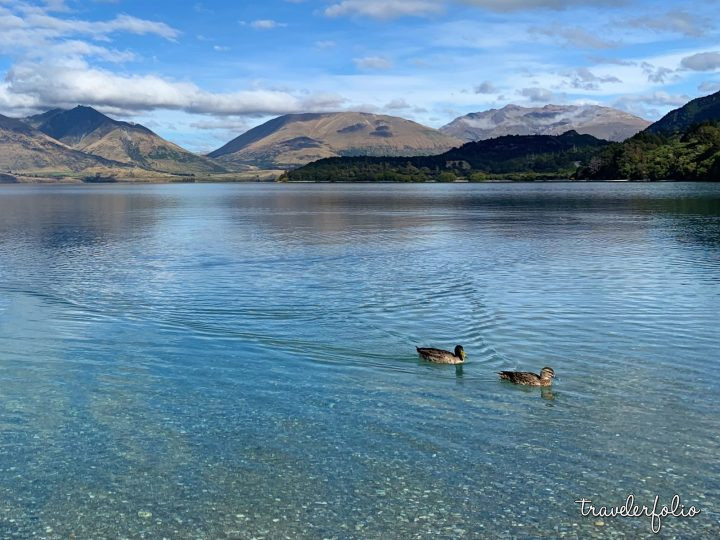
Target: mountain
column 87, row 130
column 296, row 139
column 523, row 157
column 25, row 149
column 697, row 111
column 601, row 122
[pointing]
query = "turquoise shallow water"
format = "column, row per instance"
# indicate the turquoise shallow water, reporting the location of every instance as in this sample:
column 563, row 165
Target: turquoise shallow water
column 237, row 361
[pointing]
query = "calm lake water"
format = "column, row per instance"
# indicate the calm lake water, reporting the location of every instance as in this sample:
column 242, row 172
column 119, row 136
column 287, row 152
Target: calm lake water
column 237, row 361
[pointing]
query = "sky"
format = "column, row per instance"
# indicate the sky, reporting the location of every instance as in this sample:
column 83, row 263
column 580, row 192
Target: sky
column 202, row 73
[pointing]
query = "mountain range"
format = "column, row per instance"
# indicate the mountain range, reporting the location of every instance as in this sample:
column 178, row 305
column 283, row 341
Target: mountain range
column 601, row 122
column 91, row 132
column 683, row 145
column 82, row 142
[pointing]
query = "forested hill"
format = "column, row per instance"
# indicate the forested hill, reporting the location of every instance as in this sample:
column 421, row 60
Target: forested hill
column 515, row 157
column 693, row 154
column 698, row 111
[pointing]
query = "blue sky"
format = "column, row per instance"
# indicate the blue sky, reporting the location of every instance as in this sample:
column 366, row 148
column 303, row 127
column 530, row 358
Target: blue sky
column 201, row 73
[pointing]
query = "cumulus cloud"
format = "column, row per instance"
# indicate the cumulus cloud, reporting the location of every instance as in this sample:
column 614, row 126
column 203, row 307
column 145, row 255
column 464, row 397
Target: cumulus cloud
column 373, row 62
column 49, row 25
column 650, row 105
column 486, row 87
column 537, row 95
column 705, row 61
column 65, row 85
column 323, row 102
column 34, row 30
column 398, row 104
column 584, row 79
column 679, row 22
column 201, row 8
column 518, row 5
column 55, row 69
column 266, row 24
column 610, row 60
column 385, row 9
column 55, row 5
column 79, row 49
column 213, row 124
column 709, row 87
column 656, row 74
column 16, row 104
column 576, row 36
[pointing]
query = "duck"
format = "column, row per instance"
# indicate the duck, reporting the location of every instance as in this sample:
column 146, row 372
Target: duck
column 547, row 374
column 439, row 356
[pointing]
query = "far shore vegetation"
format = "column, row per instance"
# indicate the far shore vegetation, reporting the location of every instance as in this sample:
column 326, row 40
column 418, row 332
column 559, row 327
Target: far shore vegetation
column 690, row 155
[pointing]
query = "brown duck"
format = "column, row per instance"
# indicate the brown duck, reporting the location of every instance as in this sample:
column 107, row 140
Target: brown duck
column 529, row 379
column 439, row 356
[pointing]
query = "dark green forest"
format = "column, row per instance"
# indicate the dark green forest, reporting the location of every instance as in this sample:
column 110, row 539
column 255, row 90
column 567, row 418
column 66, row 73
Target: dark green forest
column 691, row 155
column 514, row 157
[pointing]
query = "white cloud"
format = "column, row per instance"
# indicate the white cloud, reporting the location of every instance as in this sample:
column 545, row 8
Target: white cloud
column 56, row 27
column 584, row 79
column 55, row 5
column 228, row 124
column 373, row 62
column 705, row 61
column 35, row 32
column 388, row 9
column 79, row 49
column 576, row 36
column 679, row 22
column 65, row 85
column 323, row 101
column 16, row 104
column 650, row 105
column 709, row 87
column 521, row 5
column 538, row 95
column 385, row 9
column 201, row 8
column 486, row 87
column 266, row 24
column 397, row 104
column 657, row 74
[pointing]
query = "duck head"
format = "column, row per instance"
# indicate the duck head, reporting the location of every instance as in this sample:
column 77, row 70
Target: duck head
column 547, row 373
column 460, row 353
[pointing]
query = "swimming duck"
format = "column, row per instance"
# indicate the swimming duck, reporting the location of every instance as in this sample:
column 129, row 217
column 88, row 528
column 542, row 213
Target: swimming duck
column 529, row 379
column 439, row 356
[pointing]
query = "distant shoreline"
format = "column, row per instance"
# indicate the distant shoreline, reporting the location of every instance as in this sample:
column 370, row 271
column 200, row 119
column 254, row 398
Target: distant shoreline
column 155, row 182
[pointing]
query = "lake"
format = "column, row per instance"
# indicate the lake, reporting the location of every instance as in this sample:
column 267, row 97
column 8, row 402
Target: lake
column 238, row 361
